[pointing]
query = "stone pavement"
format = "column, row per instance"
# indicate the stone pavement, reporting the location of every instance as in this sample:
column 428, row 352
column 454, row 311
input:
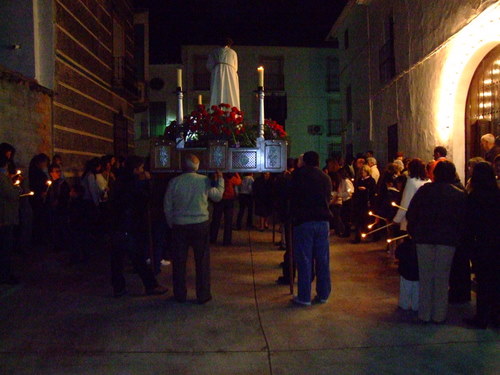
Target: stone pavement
column 63, row 320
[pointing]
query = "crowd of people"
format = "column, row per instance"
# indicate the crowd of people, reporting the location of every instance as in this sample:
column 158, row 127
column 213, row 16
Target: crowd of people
column 440, row 226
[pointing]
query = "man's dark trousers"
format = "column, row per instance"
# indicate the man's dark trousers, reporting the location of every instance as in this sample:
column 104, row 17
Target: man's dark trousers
column 127, row 244
column 226, row 207
column 183, row 237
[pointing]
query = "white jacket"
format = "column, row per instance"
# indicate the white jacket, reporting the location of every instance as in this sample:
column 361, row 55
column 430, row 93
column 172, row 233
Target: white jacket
column 411, row 187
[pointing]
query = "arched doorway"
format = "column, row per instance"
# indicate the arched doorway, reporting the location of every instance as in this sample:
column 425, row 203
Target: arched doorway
column 482, row 111
column 463, row 54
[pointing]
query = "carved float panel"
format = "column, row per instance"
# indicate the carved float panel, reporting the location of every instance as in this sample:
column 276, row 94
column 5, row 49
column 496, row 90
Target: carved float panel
column 270, row 156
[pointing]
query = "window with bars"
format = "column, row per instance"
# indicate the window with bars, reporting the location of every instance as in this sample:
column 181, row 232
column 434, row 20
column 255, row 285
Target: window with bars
column 348, row 103
column 334, row 127
column 346, row 39
column 333, row 77
column 274, row 78
column 387, row 63
column 201, row 75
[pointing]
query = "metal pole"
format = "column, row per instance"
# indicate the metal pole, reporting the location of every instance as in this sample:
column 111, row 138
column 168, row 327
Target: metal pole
column 180, row 111
column 289, row 250
column 260, row 91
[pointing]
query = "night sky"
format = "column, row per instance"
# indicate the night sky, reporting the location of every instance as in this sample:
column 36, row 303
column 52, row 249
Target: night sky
column 247, row 22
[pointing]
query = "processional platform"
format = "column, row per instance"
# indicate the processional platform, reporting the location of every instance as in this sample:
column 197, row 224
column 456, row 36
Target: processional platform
column 268, row 156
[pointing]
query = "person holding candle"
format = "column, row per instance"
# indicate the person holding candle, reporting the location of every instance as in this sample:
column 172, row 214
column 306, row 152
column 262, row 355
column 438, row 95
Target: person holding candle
column 224, row 83
column 57, row 202
column 436, row 222
column 128, row 206
column 38, row 177
column 9, row 217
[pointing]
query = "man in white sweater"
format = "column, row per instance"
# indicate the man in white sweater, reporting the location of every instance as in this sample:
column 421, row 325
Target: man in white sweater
column 186, row 210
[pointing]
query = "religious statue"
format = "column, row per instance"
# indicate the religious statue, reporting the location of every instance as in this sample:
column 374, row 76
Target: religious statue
column 224, row 84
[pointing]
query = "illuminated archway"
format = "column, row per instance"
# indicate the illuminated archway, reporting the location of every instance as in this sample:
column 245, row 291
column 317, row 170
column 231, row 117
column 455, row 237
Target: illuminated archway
column 463, row 54
column 482, row 110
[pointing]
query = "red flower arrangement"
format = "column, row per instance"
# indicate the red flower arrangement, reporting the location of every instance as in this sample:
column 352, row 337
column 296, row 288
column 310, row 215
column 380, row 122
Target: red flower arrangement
column 226, row 122
column 221, row 121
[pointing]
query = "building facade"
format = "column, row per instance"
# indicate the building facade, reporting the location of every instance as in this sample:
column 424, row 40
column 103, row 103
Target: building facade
column 84, row 52
column 417, row 74
column 301, row 87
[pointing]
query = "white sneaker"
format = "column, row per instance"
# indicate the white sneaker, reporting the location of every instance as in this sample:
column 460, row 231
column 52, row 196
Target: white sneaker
column 297, row 301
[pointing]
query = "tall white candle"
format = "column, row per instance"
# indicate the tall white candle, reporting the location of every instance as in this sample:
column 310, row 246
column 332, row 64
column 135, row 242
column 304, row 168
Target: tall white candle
column 200, row 99
column 179, row 78
column 260, row 70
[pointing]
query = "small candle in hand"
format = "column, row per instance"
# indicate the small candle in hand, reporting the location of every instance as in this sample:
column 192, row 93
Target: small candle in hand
column 179, row 78
column 200, row 99
column 260, row 70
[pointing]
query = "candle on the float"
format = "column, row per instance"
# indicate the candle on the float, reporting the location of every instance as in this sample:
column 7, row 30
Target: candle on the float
column 260, row 70
column 200, row 99
column 179, row 78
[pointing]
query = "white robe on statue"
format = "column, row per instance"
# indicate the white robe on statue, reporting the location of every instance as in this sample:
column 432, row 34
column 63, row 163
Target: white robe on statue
column 224, row 84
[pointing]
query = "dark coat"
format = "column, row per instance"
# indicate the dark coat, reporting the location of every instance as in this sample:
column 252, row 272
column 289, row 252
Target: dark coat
column 129, row 204
column 310, row 194
column 262, row 191
column 436, row 215
column 406, row 252
column 483, row 218
column 58, row 196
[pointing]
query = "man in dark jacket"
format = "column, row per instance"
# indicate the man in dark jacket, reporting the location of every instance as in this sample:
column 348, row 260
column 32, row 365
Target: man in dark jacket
column 436, row 222
column 129, row 206
column 310, row 194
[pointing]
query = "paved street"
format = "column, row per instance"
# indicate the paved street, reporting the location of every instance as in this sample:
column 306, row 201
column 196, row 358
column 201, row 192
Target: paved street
column 63, row 320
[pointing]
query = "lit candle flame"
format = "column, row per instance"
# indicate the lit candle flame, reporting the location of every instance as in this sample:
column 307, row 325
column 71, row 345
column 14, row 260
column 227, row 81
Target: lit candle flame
column 18, row 172
column 363, row 235
column 394, row 204
column 17, row 183
column 389, row 240
column 49, row 182
column 27, row 194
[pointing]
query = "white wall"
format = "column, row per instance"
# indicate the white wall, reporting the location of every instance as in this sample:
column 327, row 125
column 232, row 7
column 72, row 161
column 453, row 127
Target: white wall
column 438, row 46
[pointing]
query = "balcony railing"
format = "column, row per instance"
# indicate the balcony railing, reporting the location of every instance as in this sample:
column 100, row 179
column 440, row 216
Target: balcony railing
column 334, row 127
column 124, row 78
column 387, row 66
column 333, row 83
column 274, row 82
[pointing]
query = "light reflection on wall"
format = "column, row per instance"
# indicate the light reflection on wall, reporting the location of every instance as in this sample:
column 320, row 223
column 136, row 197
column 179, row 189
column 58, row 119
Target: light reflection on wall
column 464, row 52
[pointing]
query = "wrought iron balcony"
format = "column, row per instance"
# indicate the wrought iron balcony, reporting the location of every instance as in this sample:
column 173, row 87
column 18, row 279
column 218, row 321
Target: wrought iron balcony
column 124, row 78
